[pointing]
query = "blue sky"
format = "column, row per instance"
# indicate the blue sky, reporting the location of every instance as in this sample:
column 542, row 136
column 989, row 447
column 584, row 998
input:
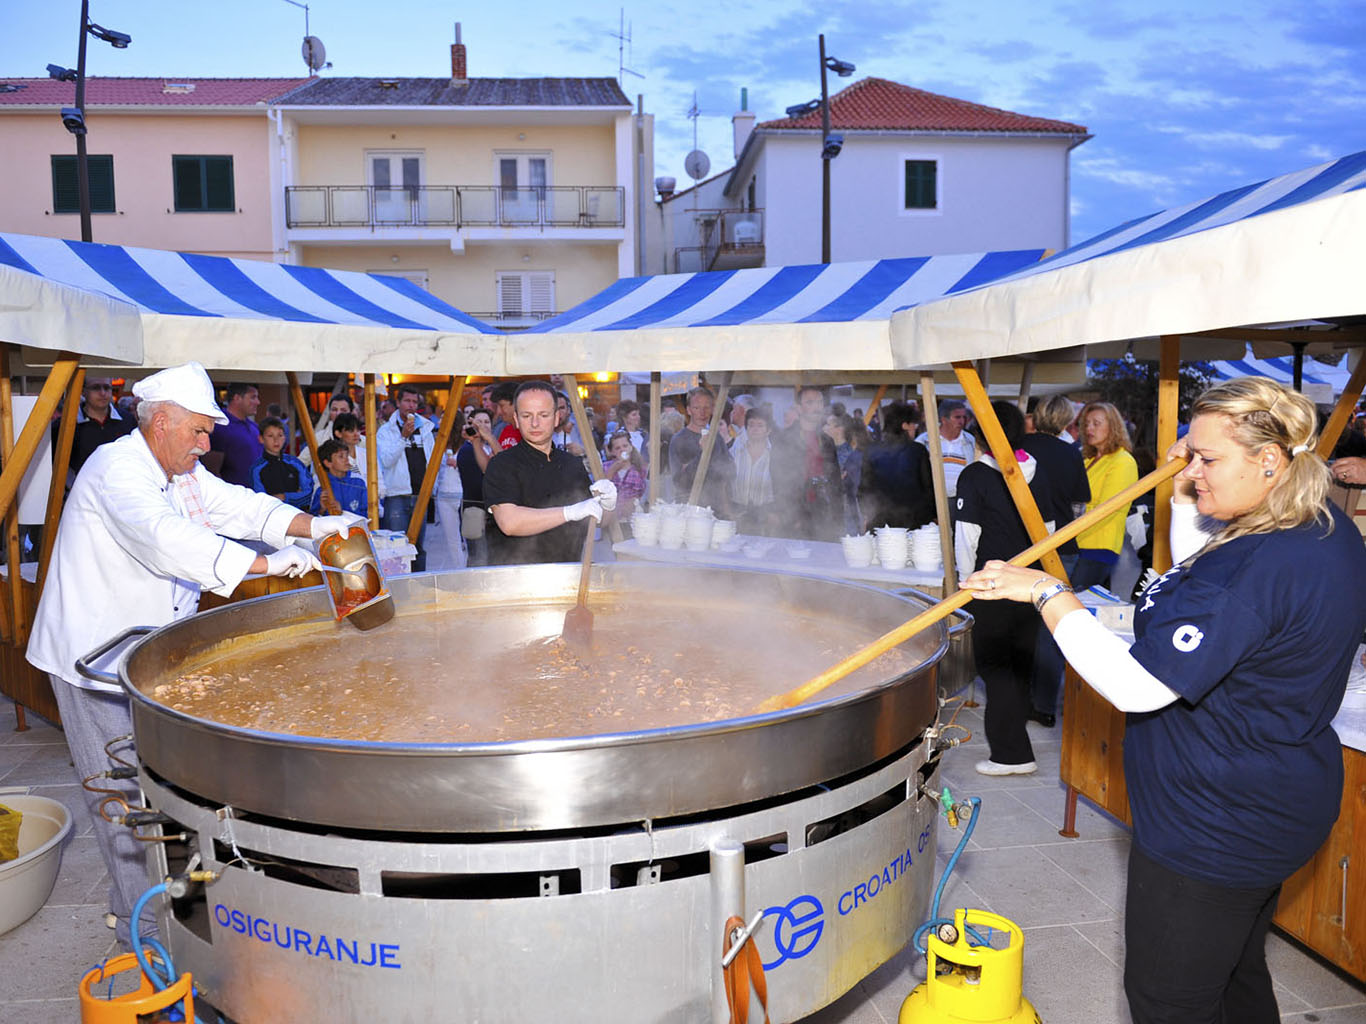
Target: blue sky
column 1184, row 99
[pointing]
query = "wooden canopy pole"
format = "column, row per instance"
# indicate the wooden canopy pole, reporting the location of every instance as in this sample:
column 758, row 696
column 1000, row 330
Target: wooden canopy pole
column 1005, row 458
column 1026, row 383
column 311, row 439
column 455, row 392
column 590, row 446
column 875, row 405
column 656, row 470
column 1168, row 393
column 941, row 487
column 61, row 463
column 63, row 367
column 8, row 595
column 1342, row 412
column 709, row 442
column 371, row 453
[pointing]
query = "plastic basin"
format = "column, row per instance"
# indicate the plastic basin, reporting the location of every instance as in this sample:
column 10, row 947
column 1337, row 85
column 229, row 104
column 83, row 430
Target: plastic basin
column 26, row 882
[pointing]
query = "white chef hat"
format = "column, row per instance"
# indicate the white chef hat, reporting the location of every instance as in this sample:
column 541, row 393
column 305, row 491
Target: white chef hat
column 188, row 386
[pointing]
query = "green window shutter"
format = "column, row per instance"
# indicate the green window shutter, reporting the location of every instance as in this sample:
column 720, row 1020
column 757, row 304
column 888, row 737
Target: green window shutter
column 66, row 189
column 203, row 184
column 218, row 193
column 921, row 184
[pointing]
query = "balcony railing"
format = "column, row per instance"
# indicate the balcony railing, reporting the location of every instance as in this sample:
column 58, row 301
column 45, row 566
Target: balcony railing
column 512, row 321
column 369, row 206
column 730, row 239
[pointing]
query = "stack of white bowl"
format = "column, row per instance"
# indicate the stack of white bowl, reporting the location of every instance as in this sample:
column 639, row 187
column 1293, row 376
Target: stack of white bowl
column 645, row 528
column 926, row 552
column 722, row 530
column 698, row 529
column 893, row 546
column 858, row 551
column 672, row 530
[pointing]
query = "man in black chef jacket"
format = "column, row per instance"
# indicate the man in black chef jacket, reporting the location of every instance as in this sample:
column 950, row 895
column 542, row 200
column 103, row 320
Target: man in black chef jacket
column 539, row 496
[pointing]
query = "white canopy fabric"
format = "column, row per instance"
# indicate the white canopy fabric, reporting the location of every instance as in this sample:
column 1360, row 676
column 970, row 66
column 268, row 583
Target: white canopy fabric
column 1283, row 250
column 52, row 316
column 248, row 315
column 818, row 317
column 1282, row 370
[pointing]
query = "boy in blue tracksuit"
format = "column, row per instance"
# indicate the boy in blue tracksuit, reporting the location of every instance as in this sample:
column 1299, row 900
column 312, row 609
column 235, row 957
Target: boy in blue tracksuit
column 348, row 486
column 278, row 473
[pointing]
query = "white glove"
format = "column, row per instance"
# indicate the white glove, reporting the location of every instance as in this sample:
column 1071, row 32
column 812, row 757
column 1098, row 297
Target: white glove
column 290, row 561
column 606, row 492
column 584, row 509
column 325, row 526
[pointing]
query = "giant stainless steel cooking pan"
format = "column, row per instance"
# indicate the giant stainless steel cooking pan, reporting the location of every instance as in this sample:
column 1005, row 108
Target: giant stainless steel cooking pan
column 586, row 781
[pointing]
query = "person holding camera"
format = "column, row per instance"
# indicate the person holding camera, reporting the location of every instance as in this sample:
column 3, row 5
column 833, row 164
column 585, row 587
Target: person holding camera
column 405, row 443
column 471, row 461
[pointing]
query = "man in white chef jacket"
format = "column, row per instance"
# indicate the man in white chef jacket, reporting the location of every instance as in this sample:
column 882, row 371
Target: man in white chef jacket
column 143, row 532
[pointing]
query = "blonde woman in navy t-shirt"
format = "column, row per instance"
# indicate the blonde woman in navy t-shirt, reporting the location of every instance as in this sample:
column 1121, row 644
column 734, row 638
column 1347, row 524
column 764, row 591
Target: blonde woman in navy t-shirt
column 1243, row 648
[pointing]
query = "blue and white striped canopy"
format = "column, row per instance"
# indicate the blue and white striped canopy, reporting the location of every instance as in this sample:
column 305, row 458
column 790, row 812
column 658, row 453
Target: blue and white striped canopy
column 235, row 313
column 821, row 316
column 1282, row 370
column 1288, row 249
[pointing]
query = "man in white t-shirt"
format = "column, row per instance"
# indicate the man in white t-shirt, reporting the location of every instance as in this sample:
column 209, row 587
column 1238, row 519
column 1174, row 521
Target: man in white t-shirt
column 959, row 448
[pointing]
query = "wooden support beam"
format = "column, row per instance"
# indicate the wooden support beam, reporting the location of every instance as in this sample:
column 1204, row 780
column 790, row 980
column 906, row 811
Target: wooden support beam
column 656, row 470
column 371, row 453
column 976, row 395
column 1344, row 336
column 61, row 464
column 63, row 367
column 1026, row 383
column 941, row 490
column 875, row 405
column 6, row 443
column 709, row 442
column 1168, row 394
column 590, row 446
column 305, row 417
column 456, row 392
column 1342, row 412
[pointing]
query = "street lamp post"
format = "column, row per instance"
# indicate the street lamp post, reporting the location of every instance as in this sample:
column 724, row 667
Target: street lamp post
column 73, row 118
column 831, row 142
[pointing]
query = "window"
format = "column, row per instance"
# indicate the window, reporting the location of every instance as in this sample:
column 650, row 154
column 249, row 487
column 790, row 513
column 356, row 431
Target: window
column 526, row 294
column 922, row 184
column 396, row 177
column 203, row 184
column 66, row 192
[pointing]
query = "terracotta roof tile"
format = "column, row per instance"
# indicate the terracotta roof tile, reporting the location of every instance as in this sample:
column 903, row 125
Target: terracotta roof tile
column 148, row 92
column 873, row 104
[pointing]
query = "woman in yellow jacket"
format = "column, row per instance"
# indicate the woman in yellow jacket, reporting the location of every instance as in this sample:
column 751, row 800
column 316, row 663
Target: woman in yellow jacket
column 1109, row 469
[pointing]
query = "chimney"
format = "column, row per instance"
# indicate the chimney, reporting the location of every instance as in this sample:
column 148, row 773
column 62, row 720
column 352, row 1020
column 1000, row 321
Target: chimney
column 459, row 76
column 742, row 124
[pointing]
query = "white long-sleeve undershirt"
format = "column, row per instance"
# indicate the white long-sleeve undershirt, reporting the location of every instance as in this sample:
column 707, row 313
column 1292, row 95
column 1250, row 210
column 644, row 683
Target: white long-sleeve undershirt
column 1103, row 659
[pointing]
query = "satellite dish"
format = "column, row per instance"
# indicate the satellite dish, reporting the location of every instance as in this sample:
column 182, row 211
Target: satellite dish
column 697, row 165
column 314, row 53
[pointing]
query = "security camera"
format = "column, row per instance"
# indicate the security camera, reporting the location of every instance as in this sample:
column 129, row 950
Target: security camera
column 840, row 67
column 60, row 73
column 118, row 40
column 834, row 142
column 73, row 120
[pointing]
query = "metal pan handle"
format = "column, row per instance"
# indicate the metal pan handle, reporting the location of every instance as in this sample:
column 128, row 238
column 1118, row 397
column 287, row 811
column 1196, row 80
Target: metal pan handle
column 83, row 663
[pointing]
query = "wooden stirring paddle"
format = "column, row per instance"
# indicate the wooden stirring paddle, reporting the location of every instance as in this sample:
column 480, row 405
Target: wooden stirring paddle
column 578, row 621
column 946, row 607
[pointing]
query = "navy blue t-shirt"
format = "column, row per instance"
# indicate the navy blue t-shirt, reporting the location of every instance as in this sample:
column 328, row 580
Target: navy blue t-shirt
column 1239, row 781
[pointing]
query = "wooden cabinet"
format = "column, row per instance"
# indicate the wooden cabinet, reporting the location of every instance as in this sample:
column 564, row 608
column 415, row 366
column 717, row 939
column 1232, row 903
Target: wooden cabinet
column 1323, row 904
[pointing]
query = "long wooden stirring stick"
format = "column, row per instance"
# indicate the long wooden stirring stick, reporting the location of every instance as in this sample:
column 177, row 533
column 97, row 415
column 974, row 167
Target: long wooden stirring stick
column 946, row 607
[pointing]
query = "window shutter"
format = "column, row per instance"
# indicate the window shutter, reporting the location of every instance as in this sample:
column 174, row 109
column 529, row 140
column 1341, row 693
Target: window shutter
column 66, row 196
column 218, row 192
column 542, row 289
column 921, row 184
column 510, row 294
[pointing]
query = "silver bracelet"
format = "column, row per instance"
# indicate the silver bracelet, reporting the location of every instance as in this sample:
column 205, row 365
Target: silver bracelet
column 1049, row 593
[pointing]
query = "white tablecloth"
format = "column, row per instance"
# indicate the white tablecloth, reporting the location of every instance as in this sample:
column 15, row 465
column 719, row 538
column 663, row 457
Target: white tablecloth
column 824, row 559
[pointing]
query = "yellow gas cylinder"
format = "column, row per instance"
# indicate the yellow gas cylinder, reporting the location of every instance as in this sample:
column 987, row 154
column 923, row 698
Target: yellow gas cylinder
column 972, row 982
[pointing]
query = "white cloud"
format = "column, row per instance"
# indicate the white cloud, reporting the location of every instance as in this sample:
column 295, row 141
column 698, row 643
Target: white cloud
column 1228, row 138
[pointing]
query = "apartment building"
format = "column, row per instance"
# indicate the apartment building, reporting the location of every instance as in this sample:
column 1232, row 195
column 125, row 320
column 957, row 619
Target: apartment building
column 919, row 174
column 511, row 198
column 180, row 164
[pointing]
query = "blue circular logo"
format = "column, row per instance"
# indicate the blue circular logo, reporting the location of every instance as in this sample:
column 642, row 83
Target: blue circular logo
column 797, row 928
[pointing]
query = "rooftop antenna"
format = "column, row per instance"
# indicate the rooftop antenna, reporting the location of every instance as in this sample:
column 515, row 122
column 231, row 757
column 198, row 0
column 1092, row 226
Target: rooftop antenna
column 696, row 163
column 623, row 37
column 313, row 51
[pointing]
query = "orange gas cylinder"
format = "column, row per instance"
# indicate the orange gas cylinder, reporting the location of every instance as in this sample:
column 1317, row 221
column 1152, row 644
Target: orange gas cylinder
column 143, row 1005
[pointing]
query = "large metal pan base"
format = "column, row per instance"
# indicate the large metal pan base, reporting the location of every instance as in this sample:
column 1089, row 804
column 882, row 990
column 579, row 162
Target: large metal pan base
column 309, row 924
